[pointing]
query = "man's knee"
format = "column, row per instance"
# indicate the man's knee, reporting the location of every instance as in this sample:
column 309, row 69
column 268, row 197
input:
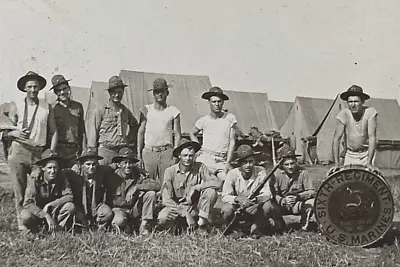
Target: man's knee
column 163, row 216
column 210, row 194
column 150, row 196
column 269, row 208
column 26, row 217
column 104, row 214
column 227, row 210
column 309, row 203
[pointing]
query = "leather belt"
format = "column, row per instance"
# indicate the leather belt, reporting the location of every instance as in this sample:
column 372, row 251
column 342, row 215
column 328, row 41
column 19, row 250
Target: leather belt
column 358, row 150
column 114, row 148
column 158, row 148
column 68, row 144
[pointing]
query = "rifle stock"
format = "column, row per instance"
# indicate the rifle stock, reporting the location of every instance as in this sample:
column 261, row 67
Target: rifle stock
column 231, row 224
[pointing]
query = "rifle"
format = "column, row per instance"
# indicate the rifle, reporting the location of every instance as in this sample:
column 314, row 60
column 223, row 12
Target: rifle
column 252, row 195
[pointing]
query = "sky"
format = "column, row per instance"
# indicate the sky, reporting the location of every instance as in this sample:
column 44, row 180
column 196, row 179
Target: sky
column 284, row 48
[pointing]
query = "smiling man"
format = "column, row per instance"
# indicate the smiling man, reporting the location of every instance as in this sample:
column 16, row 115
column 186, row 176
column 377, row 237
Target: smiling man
column 359, row 124
column 34, row 129
column 112, row 126
column 218, row 128
column 69, row 117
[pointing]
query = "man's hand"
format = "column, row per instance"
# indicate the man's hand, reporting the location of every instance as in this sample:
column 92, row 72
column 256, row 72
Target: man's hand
column 227, row 168
column 24, row 133
column 333, row 170
column 243, row 201
column 48, row 208
column 291, row 200
column 50, row 222
column 140, row 163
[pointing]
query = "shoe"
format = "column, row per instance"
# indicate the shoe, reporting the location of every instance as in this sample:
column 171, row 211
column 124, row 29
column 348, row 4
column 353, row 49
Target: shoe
column 144, row 228
column 254, row 232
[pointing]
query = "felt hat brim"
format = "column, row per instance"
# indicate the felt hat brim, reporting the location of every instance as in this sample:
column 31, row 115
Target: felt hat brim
column 345, row 95
column 22, row 81
column 60, row 160
column 177, row 151
column 117, row 86
column 120, row 158
column 237, row 160
column 289, row 156
column 83, row 158
column 57, row 84
column 207, row 95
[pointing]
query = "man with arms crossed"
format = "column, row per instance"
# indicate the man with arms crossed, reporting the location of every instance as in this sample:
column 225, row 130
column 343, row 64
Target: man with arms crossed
column 358, row 123
column 218, row 129
column 159, row 132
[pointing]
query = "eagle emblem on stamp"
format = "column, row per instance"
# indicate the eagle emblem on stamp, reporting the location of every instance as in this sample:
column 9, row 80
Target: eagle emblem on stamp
column 354, row 206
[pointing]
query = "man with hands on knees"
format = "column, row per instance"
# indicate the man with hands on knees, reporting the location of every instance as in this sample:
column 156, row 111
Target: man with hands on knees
column 48, row 197
column 189, row 189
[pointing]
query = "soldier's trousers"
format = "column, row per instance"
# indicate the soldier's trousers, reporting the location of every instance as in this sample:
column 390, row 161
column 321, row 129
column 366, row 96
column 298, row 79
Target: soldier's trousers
column 157, row 161
column 208, row 198
column 62, row 215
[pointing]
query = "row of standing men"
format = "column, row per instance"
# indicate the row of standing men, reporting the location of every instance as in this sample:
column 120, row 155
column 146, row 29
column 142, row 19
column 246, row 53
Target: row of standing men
column 125, row 185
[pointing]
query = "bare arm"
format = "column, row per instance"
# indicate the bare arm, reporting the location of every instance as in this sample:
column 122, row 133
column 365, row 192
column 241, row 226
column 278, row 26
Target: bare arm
column 339, row 130
column 140, row 136
column 53, row 129
column 193, row 134
column 232, row 142
column 177, row 130
column 372, row 138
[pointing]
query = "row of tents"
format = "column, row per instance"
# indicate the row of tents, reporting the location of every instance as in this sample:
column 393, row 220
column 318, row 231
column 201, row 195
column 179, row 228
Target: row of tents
column 308, row 123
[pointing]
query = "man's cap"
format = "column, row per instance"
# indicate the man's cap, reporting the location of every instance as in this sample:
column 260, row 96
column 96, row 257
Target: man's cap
column 244, row 152
column 89, row 153
column 115, row 82
column 48, row 155
column 184, row 143
column 287, row 152
column 29, row 77
column 57, row 80
column 215, row 91
column 125, row 153
column 354, row 90
column 160, row 84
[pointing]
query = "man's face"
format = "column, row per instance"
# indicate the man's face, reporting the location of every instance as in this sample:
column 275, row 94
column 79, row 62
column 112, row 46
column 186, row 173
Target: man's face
column 160, row 95
column 32, row 89
column 187, row 156
column 63, row 92
column 116, row 95
column 50, row 170
column 290, row 166
column 89, row 167
column 216, row 104
column 355, row 103
column 126, row 166
column 247, row 165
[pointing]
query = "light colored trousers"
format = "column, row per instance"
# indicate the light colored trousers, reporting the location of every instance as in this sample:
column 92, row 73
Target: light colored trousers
column 360, row 158
column 156, row 162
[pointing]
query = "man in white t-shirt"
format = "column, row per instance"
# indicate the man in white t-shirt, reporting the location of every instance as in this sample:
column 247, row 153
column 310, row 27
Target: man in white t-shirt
column 159, row 132
column 218, row 129
column 359, row 124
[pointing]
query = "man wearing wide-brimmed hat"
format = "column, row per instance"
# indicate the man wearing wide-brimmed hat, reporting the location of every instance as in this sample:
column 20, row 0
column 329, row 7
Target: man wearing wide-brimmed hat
column 89, row 187
column 69, row 117
column 159, row 132
column 294, row 190
column 132, row 196
column 240, row 184
column 218, row 128
column 112, row 126
column 189, row 189
column 359, row 124
column 49, row 196
column 34, row 130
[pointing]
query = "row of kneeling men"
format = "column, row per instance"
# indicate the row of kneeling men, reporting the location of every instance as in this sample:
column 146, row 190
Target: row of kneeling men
column 119, row 196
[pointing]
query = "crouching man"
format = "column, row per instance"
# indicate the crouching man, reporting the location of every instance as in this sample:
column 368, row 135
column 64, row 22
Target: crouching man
column 189, row 189
column 132, row 196
column 240, row 183
column 48, row 197
column 89, row 186
column 294, row 189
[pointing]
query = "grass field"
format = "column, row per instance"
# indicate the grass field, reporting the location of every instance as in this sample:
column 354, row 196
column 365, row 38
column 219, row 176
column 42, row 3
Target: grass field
column 162, row 249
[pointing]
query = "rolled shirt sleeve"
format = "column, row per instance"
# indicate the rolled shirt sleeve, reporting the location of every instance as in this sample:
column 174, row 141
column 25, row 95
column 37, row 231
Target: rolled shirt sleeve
column 309, row 189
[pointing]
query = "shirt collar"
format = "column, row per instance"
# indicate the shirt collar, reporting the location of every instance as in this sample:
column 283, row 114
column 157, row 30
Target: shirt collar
column 177, row 170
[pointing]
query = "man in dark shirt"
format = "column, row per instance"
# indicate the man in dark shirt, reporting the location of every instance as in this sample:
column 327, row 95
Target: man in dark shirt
column 48, row 197
column 69, row 117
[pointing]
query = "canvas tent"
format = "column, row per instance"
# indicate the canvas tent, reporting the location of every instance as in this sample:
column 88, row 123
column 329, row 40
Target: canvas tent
column 388, row 132
column 280, row 110
column 251, row 109
column 79, row 94
column 304, row 118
